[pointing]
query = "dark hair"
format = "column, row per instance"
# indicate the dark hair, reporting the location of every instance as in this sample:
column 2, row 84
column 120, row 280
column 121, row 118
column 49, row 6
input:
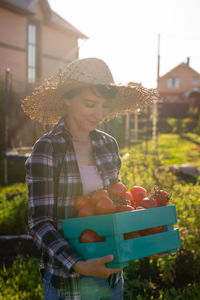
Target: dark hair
column 107, row 92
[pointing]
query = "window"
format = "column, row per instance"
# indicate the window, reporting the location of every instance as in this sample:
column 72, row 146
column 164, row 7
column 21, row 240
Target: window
column 173, row 82
column 194, row 80
column 33, row 71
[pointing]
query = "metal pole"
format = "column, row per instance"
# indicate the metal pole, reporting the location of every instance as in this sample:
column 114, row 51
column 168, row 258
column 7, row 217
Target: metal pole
column 6, row 99
column 155, row 106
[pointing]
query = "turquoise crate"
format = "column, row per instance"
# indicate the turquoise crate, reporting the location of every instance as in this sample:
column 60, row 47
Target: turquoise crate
column 113, row 226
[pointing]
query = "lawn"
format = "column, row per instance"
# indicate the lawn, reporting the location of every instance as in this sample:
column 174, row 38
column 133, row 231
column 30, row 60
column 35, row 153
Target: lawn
column 179, row 149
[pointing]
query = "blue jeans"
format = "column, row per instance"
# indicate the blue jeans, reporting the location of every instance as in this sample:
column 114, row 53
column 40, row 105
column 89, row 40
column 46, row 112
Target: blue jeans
column 92, row 288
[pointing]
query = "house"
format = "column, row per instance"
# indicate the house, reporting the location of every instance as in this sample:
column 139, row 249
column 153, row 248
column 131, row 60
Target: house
column 35, row 42
column 180, row 90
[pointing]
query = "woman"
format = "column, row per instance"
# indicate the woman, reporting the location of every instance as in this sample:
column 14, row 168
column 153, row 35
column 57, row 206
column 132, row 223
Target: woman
column 74, row 159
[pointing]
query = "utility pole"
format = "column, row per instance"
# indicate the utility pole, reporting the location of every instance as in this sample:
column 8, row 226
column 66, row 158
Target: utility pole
column 155, row 106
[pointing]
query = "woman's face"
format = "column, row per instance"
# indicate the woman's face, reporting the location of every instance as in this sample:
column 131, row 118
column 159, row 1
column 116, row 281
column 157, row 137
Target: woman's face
column 86, row 110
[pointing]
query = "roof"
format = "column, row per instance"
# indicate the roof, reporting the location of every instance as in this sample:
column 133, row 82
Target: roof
column 27, row 7
column 59, row 21
column 180, row 65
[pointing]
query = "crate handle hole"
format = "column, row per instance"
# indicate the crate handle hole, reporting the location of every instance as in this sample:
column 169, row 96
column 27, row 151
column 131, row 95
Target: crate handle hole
column 91, row 236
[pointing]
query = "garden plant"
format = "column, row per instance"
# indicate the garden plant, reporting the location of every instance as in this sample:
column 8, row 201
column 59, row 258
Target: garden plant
column 173, row 277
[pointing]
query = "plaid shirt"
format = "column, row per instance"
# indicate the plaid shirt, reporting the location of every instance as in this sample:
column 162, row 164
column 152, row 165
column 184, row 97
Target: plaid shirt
column 54, row 183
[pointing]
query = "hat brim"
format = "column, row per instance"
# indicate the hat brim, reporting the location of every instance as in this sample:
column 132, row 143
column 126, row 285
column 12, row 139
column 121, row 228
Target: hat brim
column 45, row 105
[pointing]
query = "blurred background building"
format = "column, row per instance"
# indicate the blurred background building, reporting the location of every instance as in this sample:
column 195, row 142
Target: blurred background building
column 180, row 91
column 35, row 42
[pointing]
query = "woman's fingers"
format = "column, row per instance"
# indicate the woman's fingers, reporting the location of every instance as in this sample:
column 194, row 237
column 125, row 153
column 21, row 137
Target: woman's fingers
column 106, row 259
column 96, row 267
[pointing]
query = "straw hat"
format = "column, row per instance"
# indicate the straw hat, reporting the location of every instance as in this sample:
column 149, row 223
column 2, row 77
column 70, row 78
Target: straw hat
column 45, row 105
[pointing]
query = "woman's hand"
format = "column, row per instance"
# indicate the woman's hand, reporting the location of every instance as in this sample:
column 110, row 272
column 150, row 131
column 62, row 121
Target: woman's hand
column 96, row 267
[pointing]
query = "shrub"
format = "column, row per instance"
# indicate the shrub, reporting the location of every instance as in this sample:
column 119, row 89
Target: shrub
column 197, row 128
column 165, row 278
column 22, row 281
column 14, row 209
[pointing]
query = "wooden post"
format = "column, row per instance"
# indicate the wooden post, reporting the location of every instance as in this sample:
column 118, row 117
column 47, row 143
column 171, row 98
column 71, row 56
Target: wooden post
column 136, row 126
column 127, row 130
column 6, row 99
column 155, row 107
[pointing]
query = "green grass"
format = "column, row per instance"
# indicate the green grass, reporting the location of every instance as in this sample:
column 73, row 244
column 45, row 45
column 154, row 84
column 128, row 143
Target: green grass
column 173, row 148
column 176, row 149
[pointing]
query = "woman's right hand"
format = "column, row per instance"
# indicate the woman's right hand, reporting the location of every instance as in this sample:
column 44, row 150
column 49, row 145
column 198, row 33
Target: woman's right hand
column 96, row 267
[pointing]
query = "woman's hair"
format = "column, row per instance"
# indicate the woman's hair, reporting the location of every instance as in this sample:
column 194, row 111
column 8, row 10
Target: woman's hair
column 106, row 92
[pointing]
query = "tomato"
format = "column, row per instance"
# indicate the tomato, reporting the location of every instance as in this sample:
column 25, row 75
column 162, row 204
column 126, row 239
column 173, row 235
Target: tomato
column 155, row 230
column 148, row 203
column 90, row 236
column 161, row 197
column 117, row 190
column 138, row 194
column 98, row 195
column 105, row 206
column 81, row 201
column 131, row 235
column 123, row 207
column 86, row 211
column 128, row 196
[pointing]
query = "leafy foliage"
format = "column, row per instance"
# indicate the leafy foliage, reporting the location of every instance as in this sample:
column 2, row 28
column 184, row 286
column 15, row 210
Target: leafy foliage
column 13, row 209
column 174, row 277
column 21, row 281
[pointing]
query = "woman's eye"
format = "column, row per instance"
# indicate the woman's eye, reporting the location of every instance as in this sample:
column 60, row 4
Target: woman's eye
column 90, row 105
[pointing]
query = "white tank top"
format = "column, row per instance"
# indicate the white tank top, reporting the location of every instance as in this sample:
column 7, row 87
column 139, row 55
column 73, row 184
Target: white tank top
column 91, row 178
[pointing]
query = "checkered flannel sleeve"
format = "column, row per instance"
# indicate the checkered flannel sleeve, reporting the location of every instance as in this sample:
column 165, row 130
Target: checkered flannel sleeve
column 42, row 206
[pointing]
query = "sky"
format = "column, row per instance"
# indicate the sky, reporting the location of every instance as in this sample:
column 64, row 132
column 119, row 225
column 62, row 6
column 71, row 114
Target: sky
column 124, row 33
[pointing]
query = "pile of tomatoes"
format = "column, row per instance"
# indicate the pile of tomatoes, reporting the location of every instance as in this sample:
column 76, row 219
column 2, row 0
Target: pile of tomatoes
column 117, row 199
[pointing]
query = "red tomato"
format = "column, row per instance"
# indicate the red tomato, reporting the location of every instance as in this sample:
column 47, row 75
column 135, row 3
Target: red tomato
column 144, row 232
column 105, row 206
column 81, row 201
column 131, row 235
column 122, row 207
column 98, row 195
column 86, row 211
column 155, row 230
column 90, row 236
column 117, row 190
column 128, row 196
column 148, row 203
column 162, row 198
column 138, row 194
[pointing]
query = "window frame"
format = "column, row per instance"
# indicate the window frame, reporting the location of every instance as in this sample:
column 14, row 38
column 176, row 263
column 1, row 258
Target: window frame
column 173, row 82
column 37, row 55
column 195, row 80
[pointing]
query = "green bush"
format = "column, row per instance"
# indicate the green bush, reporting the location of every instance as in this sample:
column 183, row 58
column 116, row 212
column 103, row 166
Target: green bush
column 22, row 281
column 197, row 128
column 13, row 209
column 172, row 275
column 182, row 125
column 175, row 276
